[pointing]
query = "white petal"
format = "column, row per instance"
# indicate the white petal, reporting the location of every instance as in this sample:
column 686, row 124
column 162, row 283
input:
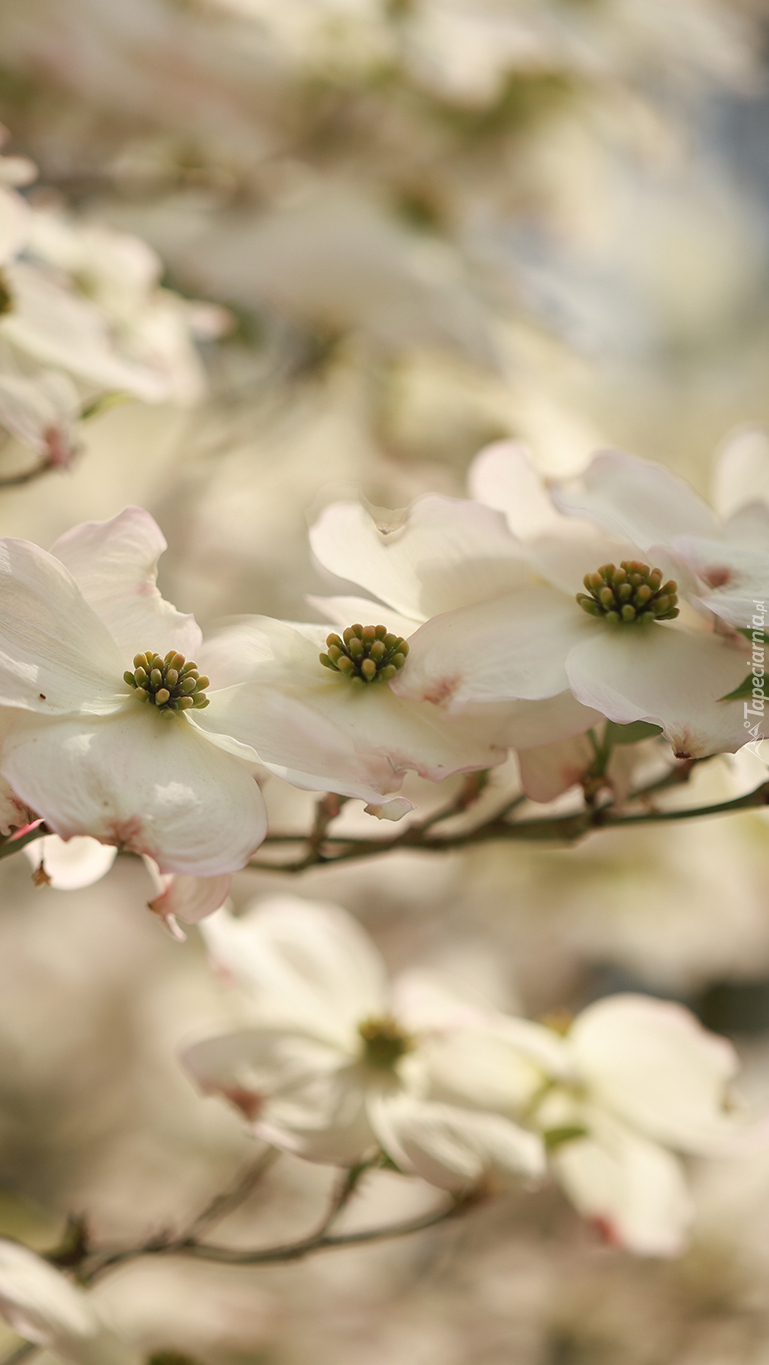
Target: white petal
column 188, row 898
column 55, row 654
column 114, row 563
column 46, row 1308
column 513, row 647
column 633, row 1189
column 742, row 471
column 451, row 1147
column 496, row 1068
column 644, row 502
column 735, row 576
column 447, row 553
column 346, row 611
column 655, row 1066
column 305, row 963
column 672, row 678
column 296, row 1092
column 504, row 476
column 149, row 784
column 69, row 866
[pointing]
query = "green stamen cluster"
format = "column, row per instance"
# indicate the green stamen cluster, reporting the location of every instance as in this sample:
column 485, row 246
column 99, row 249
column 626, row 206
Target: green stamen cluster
column 384, row 1042
column 365, row 654
column 171, row 684
column 631, row 593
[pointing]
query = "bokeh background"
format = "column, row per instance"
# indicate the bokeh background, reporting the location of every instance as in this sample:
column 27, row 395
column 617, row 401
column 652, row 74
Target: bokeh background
column 432, row 223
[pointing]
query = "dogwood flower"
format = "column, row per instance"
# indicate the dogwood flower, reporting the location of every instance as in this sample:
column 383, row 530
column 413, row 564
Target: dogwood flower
column 606, row 623
column 337, row 1063
column 726, row 562
column 446, row 571
column 632, row 1083
column 324, row 729
column 102, row 736
column 42, row 1305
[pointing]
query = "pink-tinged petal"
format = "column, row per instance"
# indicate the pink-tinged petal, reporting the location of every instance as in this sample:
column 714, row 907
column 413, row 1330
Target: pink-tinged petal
column 44, row 1306
column 319, row 731
column 42, row 411
column 14, row 814
column 451, row 1147
column 551, row 770
column 503, row 475
column 304, row 963
column 637, row 500
column 655, row 1067
column 741, row 473
column 149, row 784
column 294, row 1091
column 114, row 563
column 555, row 720
column 446, row 554
column 56, row 656
column 632, row 1189
column 188, row 898
column 669, row 677
column 734, row 578
column 70, row 866
column 513, row 647
column 345, row 611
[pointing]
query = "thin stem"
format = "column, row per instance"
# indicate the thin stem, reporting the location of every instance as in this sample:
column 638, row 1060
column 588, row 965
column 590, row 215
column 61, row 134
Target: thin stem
column 561, row 829
column 223, row 1204
column 23, row 1352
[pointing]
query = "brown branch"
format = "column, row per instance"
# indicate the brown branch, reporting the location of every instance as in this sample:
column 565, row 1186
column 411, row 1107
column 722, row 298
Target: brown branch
column 558, row 830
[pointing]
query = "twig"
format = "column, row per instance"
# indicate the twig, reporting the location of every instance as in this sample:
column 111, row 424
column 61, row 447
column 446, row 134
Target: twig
column 223, row 1204
column 561, row 829
column 27, row 1349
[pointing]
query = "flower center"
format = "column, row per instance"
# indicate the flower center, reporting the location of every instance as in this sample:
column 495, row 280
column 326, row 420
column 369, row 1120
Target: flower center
column 384, row 1042
column 631, row 593
column 171, row 684
column 365, row 654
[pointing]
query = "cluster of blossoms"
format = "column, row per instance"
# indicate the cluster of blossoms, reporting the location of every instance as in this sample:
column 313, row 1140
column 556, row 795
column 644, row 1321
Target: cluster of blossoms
column 337, row 1065
column 120, row 723
column 83, row 315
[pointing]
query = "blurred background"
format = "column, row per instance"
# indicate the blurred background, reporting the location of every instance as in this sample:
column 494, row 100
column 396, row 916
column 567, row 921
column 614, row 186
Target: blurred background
column 422, row 225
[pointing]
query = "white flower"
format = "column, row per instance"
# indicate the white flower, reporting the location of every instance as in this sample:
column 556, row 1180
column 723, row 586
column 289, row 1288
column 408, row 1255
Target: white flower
column 323, row 731
column 727, row 562
column 83, row 748
column 40, row 409
column 537, row 641
column 42, row 1305
column 338, row 1063
column 448, row 571
column 632, row 1083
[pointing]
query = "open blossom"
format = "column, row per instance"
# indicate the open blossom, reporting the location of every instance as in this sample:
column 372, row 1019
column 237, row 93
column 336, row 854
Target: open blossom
column 631, row 1084
column 605, row 622
column 102, row 695
column 337, row 1064
column 725, row 562
column 44, row 1306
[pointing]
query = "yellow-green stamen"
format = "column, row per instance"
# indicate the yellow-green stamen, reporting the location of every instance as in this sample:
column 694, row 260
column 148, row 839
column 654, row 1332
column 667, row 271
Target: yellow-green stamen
column 629, row 594
column 365, row 654
column 171, row 684
column 384, row 1042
